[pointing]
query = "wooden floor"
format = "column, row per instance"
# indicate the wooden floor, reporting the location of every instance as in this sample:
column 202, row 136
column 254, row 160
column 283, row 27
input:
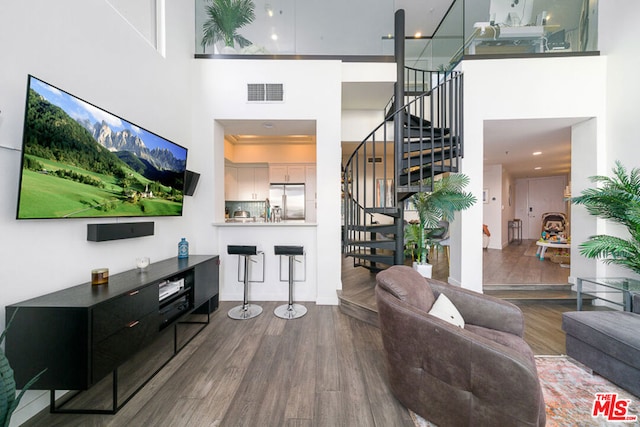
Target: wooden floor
column 517, row 264
column 324, row 369
column 542, row 308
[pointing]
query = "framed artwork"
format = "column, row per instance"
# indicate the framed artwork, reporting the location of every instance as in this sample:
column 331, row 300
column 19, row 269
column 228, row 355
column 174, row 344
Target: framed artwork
column 384, row 193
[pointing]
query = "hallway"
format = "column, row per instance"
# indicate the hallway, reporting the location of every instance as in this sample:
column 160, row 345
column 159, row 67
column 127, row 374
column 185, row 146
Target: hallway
column 517, row 264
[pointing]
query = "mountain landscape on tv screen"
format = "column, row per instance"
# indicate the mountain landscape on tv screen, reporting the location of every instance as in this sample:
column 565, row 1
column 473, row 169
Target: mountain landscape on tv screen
column 78, row 167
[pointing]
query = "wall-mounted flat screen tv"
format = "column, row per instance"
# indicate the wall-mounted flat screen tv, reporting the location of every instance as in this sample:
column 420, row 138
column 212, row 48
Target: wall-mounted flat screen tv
column 80, row 161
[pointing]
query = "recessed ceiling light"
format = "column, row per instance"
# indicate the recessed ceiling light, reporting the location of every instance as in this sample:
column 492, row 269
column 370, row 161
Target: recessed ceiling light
column 538, row 168
column 274, row 37
column 417, row 35
column 537, row 153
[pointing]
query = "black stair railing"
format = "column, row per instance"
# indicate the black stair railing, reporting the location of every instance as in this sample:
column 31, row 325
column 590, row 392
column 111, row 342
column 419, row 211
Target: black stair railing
column 390, row 165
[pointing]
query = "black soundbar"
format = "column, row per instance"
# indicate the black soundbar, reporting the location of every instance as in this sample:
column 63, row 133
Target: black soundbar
column 117, row 231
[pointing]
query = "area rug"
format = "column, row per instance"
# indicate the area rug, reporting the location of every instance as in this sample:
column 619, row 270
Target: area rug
column 569, row 390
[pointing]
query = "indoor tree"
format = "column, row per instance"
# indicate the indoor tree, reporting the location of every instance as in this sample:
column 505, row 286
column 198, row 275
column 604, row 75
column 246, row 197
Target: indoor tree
column 225, row 17
column 617, row 199
column 446, row 198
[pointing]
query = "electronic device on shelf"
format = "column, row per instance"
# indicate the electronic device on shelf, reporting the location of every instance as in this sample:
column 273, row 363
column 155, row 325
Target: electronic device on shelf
column 169, row 287
column 174, row 310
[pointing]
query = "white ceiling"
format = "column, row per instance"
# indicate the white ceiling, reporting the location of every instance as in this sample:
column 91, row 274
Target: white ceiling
column 511, row 143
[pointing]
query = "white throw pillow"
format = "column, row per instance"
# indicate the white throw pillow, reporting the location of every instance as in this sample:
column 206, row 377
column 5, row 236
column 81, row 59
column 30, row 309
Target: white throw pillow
column 444, row 309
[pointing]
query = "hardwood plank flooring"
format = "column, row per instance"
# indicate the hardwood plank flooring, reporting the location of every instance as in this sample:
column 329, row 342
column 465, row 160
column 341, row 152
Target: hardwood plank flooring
column 324, row 369
column 517, row 264
column 542, row 308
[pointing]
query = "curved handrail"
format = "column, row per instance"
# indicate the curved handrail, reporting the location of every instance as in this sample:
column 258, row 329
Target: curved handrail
column 426, row 140
column 404, row 107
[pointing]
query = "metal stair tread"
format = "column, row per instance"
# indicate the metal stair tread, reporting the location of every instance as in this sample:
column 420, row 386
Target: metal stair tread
column 383, row 259
column 372, row 227
column 377, row 244
column 393, row 211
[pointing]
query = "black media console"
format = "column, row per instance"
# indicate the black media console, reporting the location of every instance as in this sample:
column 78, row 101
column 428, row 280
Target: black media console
column 84, row 333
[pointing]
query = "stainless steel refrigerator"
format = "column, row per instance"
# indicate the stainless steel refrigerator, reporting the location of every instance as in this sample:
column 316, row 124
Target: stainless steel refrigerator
column 290, row 198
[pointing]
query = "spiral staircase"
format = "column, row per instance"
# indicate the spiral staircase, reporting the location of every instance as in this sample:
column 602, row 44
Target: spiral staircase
column 420, row 138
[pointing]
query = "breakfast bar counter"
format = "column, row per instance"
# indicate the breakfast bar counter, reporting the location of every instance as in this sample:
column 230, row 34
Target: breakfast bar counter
column 249, row 223
column 268, row 273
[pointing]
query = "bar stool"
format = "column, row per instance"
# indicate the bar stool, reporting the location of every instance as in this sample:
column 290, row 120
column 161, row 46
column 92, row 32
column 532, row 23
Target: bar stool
column 246, row 310
column 290, row 310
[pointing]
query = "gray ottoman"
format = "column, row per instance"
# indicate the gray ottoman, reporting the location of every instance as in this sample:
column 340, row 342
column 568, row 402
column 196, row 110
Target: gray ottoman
column 608, row 342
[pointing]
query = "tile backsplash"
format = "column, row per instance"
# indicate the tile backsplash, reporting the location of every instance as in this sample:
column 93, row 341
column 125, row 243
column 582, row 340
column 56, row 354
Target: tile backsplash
column 255, row 209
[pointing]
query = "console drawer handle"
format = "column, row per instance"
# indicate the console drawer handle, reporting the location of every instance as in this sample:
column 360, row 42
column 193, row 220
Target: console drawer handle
column 132, row 324
column 132, row 293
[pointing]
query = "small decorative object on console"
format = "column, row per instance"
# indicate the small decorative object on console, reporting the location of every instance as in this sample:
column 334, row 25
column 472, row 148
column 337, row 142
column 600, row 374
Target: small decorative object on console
column 142, row 263
column 183, row 248
column 99, row 276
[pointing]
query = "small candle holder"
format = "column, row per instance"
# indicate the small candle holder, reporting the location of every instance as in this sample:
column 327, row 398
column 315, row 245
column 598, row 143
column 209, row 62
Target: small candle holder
column 99, row 276
column 142, row 263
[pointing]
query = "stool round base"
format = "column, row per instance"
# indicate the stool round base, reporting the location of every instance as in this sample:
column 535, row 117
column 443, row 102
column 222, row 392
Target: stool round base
column 242, row 313
column 292, row 311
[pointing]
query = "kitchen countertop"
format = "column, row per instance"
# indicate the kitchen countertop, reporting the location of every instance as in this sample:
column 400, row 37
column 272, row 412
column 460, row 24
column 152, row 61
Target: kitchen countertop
column 258, row 223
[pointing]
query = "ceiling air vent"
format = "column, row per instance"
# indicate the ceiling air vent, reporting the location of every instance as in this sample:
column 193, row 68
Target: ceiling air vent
column 265, row 92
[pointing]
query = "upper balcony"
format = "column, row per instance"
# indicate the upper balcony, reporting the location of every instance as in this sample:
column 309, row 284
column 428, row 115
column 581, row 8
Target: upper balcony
column 438, row 34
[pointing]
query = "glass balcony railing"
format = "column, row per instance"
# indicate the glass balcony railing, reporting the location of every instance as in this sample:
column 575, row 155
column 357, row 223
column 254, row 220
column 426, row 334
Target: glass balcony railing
column 304, row 27
column 507, row 28
column 366, row 27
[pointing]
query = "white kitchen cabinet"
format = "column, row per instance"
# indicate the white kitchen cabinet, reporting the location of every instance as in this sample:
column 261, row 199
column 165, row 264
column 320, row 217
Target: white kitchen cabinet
column 277, row 174
column 310, row 211
column 261, row 183
column 230, row 183
column 296, row 174
column 253, row 183
column 310, row 183
column 281, row 174
column 310, row 194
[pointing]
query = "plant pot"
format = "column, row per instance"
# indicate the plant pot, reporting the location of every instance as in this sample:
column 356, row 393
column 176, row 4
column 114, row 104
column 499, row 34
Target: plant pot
column 423, row 268
column 228, row 50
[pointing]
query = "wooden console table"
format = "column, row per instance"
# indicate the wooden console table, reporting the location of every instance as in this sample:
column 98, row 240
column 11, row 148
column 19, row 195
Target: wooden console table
column 82, row 334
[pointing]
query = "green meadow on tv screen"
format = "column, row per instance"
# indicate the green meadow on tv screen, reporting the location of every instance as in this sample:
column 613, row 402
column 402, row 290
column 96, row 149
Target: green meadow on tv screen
column 80, row 161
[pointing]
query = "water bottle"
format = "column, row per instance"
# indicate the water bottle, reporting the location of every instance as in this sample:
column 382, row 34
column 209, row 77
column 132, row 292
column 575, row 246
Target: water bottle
column 183, row 248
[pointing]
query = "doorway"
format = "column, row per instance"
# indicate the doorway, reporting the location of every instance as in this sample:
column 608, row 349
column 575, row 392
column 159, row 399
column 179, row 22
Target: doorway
column 532, row 161
column 537, row 196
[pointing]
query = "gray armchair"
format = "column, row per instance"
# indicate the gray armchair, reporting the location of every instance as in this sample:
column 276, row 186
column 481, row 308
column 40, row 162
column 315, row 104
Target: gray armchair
column 481, row 375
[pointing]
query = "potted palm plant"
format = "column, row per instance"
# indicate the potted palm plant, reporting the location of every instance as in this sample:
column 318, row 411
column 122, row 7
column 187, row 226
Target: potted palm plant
column 617, row 199
column 8, row 399
column 446, row 198
column 225, row 17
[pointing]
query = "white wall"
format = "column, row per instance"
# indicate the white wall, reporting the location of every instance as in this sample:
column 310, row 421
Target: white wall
column 508, row 205
column 583, row 225
column 517, row 88
column 88, row 49
column 618, row 39
column 492, row 212
column 222, row 96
